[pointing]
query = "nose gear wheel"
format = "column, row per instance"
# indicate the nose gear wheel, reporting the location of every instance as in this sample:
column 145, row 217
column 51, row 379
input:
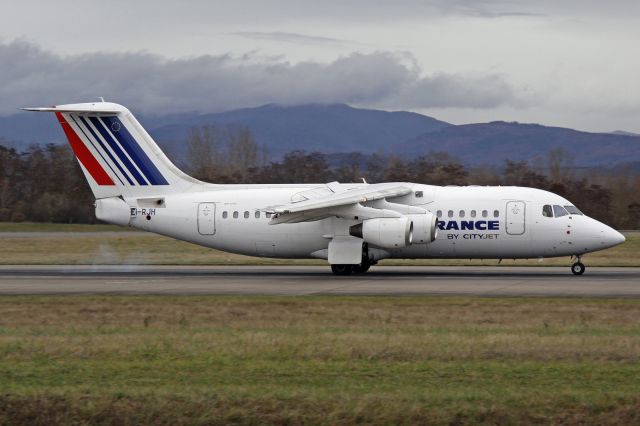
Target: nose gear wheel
column 578, row 267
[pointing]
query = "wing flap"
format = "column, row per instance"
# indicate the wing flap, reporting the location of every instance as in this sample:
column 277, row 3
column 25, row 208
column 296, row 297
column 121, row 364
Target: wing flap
column 360, row 195
column 351, row 211
column 347, row 204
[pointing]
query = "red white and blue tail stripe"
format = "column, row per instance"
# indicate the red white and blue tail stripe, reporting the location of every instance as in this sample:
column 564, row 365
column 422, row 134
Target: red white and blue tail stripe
column 117, row 155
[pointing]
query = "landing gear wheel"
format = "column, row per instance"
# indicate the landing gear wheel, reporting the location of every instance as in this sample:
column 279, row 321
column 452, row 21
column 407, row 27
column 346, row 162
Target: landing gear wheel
column 365, row 264
column 361, row 268
column 578, row 268
column 342, row 269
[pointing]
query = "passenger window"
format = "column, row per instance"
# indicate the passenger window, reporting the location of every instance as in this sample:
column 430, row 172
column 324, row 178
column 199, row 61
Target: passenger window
column 235, row 215
column 224, row 215
column 559, row 211
column 461, row 213
column 547, row 211
column 257, row 214
column 473, row 213
column 496, row 213
column 268, row 215
column 439, row 214
column 450, row 213
column 246, row 215
column 418, row 194
column 485, row 213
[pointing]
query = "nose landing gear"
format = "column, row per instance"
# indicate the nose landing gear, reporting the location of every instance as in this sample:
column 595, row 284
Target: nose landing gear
column 578, row 267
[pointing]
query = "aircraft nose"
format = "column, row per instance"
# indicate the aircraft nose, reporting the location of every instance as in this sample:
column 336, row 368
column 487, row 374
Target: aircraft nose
column 610, row 237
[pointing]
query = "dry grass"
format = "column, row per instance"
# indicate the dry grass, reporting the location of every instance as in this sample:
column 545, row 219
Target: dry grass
column 59, row 227
column 344, row 329
column 221, row 360
column 112, row 249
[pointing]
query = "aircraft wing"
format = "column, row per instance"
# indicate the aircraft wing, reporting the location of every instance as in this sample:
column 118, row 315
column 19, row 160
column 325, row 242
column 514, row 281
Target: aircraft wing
column 342, row 204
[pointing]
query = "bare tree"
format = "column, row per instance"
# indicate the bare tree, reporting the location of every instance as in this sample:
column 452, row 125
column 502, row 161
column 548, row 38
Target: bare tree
column 204, row 154
column 243, row 150
column 559, row 164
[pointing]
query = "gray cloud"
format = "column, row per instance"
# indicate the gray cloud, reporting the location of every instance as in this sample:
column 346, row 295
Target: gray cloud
column 484, row 9
column 384, row 10
column 151, row 83
column 291, row 37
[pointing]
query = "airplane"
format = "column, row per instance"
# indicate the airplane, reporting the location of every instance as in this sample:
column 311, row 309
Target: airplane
column 351, row 225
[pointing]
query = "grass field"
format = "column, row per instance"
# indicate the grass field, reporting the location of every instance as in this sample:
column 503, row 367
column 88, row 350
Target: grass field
column 137, row 248
column 261, row 360
column 58, row 227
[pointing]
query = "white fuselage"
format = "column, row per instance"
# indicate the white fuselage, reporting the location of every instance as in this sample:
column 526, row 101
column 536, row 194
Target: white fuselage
column 473, row 222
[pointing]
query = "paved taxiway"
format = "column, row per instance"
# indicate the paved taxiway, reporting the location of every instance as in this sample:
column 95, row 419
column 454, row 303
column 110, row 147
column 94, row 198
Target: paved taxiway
column 310, row 280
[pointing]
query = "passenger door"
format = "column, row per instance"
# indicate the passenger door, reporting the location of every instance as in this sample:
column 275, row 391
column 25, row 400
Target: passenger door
column 207, row 218
column 515, row 217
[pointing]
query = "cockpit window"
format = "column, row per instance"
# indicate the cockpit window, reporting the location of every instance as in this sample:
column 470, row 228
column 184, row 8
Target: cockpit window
column 547, row 211
column 573, row 210
column 559, row 211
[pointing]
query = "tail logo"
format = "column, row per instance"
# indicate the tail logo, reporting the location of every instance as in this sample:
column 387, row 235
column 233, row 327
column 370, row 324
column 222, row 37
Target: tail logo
column 83, row 154
column 119, row 150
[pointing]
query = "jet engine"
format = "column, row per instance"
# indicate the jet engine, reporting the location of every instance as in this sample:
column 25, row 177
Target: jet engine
column 385, row 232
column 425, row 228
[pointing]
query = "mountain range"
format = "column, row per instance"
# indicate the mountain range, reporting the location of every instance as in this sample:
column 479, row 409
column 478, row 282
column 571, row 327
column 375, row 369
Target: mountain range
column 339, row 128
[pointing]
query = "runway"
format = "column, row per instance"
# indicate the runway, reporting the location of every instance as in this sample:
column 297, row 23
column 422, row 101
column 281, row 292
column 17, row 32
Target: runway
column 484, row 281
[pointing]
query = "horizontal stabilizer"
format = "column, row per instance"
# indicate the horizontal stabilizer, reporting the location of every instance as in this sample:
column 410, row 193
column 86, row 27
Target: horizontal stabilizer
column 95, row 107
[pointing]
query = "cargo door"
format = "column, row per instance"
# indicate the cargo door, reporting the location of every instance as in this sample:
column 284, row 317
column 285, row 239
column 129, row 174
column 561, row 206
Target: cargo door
column 207, row 218
column 515, row 223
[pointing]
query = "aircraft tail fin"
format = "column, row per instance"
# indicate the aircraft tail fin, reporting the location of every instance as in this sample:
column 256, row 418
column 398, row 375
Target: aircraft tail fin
column 118, row 157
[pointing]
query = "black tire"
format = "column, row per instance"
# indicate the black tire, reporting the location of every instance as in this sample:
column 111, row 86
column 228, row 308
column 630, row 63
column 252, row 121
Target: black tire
column 342, row 269
column 362, row 268
column 578, row 268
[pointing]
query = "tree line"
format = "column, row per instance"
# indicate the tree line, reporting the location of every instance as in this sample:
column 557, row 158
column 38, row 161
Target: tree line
column 46, row 184
column 43, row 184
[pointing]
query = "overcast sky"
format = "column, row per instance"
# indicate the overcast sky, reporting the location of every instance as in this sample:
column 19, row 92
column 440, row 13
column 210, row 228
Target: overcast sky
column 573, row 63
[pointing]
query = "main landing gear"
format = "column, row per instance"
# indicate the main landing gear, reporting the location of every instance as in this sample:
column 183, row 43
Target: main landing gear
column 578, row 267
column 342, row 269
column 356, row 269
column 349, row 269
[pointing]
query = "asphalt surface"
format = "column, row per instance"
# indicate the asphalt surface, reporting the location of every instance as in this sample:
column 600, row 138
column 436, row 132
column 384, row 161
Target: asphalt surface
column 310, row 280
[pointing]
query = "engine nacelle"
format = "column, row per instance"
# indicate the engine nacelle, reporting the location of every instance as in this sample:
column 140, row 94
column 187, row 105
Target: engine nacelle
column 425, row 228
column 394, row 232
